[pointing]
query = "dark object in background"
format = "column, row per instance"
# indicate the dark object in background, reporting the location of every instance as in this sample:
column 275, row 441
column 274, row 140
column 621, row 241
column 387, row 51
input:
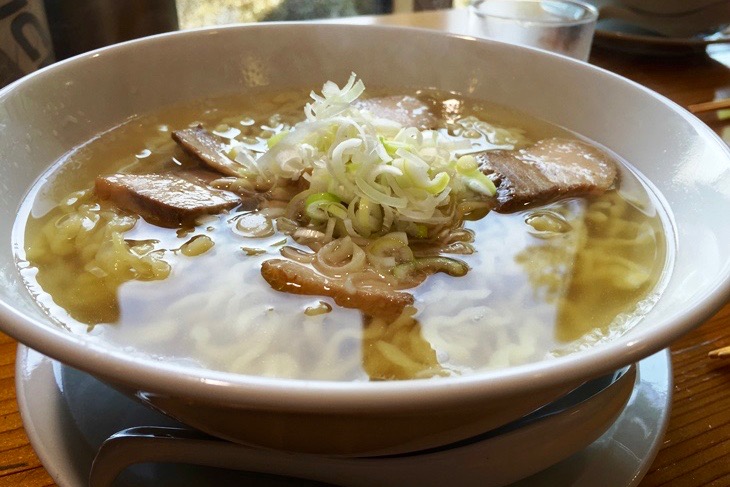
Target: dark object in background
column 25, row 44
column 82, row 25
column 420, row 5
column 326, row 9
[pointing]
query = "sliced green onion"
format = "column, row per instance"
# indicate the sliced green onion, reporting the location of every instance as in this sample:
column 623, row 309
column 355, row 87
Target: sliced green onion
column 473, row 178
column 466, row 164
column 374, row 194
column 418, row 230
column 337, row 210
column 389, row 250
column 274, row 139
column 363, row 215
column 417, row 170
column 438, row 183
column 391, row 145
column 316, row 205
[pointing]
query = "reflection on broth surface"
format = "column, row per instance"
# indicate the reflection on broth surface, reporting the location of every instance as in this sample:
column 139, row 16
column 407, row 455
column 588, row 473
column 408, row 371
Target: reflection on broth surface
column 488, row 291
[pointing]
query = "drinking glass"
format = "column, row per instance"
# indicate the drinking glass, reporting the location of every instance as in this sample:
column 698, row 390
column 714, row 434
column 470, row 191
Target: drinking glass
column 562, row 26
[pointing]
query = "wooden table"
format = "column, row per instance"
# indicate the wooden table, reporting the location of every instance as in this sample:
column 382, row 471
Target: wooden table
column 696, row 449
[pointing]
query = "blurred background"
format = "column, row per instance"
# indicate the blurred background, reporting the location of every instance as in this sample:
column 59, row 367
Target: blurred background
column 35, row 33
column 80, row 25
column 193, row 13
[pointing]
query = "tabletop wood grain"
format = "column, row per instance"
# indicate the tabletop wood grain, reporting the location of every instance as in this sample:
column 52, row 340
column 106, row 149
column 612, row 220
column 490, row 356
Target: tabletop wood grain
column 696, row 448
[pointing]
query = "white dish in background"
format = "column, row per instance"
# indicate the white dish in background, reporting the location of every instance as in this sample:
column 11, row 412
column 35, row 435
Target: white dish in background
column 678, row 19
column 620, row 36
column 66, row 429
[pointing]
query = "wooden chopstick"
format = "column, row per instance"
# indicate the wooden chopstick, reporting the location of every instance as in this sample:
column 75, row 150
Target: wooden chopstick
column 708, row 106
column 723, row 352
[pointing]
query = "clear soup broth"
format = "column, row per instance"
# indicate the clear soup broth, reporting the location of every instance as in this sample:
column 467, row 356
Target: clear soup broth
column 541, row 282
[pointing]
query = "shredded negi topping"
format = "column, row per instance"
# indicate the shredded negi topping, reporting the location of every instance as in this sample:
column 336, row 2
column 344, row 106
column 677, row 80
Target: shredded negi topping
column 368, row 176
column 363, row 193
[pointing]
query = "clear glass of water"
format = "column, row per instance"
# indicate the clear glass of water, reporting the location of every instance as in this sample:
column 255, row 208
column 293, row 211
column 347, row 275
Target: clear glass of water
column 562, row 26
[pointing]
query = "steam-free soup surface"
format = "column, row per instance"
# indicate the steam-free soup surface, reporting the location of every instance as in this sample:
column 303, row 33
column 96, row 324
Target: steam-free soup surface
column 541, row 282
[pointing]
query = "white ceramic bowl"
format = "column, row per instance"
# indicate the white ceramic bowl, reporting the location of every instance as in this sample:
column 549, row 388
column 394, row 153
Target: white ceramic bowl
column 51, row 111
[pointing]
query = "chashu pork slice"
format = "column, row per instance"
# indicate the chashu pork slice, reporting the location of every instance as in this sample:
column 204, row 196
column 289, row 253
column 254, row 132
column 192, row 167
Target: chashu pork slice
column 406, row 110
column 291, row 277
column 166, row 200
column 547, row 171
column 208, row 149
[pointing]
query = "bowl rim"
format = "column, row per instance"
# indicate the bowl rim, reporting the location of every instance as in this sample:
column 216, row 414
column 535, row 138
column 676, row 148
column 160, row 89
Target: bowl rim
column 208, row 385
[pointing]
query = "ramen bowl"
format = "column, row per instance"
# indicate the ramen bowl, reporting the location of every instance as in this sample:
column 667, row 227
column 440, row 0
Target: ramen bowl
column 50, row 112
